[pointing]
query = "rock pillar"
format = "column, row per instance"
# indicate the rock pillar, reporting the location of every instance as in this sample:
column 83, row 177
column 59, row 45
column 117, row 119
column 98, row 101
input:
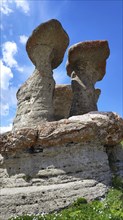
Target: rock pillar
column 86, row 65
column 45, row 47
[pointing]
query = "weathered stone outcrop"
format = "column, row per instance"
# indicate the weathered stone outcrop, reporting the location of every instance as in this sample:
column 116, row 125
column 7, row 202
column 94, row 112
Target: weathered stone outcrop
column 86, row 65
column 45, row 47
column 115, row 157
column 46, row 163
column 30, row 96
column 62, row 100
column 47, row 167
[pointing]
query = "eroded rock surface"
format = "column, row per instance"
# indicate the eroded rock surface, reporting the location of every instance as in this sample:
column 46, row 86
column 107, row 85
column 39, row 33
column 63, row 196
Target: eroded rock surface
column 62, row 100
column 115, row 157
column 32, row 102
column 86, row 65
column 48, row 167
column 45, row 47
column 53, row 40
column 35, row 102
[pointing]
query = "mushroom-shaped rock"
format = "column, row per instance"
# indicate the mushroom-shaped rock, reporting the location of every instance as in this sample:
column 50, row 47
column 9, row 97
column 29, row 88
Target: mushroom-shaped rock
column 45, row 47
column 86, row 65
column 49, row 40
column 89, row 52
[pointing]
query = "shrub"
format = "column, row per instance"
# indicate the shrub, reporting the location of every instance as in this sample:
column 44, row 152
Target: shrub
column 117, row 182
column 80, row 201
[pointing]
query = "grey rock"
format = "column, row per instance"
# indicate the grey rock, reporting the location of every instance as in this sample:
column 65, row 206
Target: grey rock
column 33, row 105
column 45, row 47
column 44, row 199
column 86, row 65
column 115, row 157
column 46, row 168
column 62, row 100
column 48, row 39
column 35, row 101
column 104, row 128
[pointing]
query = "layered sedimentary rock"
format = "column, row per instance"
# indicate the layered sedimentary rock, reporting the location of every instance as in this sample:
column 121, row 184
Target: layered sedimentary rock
column 46, row 163
column 115, row 156
column 48, row 167
column 32, row 102
column 45, row 47
column 62, row 100
column 86, row 65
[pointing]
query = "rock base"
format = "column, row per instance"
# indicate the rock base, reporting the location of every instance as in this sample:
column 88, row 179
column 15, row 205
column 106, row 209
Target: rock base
column 48, row 167
column 36, row 182
column 40, row 199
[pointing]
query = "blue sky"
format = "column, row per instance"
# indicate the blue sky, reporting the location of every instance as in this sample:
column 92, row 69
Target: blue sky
column 83, row 20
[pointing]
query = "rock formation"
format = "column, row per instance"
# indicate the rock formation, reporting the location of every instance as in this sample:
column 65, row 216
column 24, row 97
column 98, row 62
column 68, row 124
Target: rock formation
column 48, row 167
column 62, row 100
column 86, row 65
column 44, row 164
column 45, row 47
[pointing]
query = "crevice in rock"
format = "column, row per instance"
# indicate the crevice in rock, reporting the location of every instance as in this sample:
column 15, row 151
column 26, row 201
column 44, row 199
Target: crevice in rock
column 115, row 158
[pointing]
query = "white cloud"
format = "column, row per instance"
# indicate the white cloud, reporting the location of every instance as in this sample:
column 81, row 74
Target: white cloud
column 8, row 96
column 23, row 39
column 8, row 92
column 8, row 102
column 9, row 49
column 23, row 4
column 4, row 109
column 6, row 6
column 6, row 128
column 5, row 75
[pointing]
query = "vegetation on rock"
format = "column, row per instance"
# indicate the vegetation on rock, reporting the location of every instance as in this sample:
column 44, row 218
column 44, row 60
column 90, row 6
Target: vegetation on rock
column 110, row 207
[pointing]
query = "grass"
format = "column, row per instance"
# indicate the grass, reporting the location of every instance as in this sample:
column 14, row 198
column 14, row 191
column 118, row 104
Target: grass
column 109, row 208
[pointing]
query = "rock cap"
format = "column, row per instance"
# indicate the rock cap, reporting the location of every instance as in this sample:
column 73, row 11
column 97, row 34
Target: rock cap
column 89, row 51
column 52, row 35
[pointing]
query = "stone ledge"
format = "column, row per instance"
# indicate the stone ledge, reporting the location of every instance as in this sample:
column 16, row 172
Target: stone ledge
column 105, row 128
column 34, row 199
column 47, row 167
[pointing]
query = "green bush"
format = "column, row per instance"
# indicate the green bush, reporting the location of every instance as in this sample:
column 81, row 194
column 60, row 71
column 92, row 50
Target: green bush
column 117, row 182
column 80, row 201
